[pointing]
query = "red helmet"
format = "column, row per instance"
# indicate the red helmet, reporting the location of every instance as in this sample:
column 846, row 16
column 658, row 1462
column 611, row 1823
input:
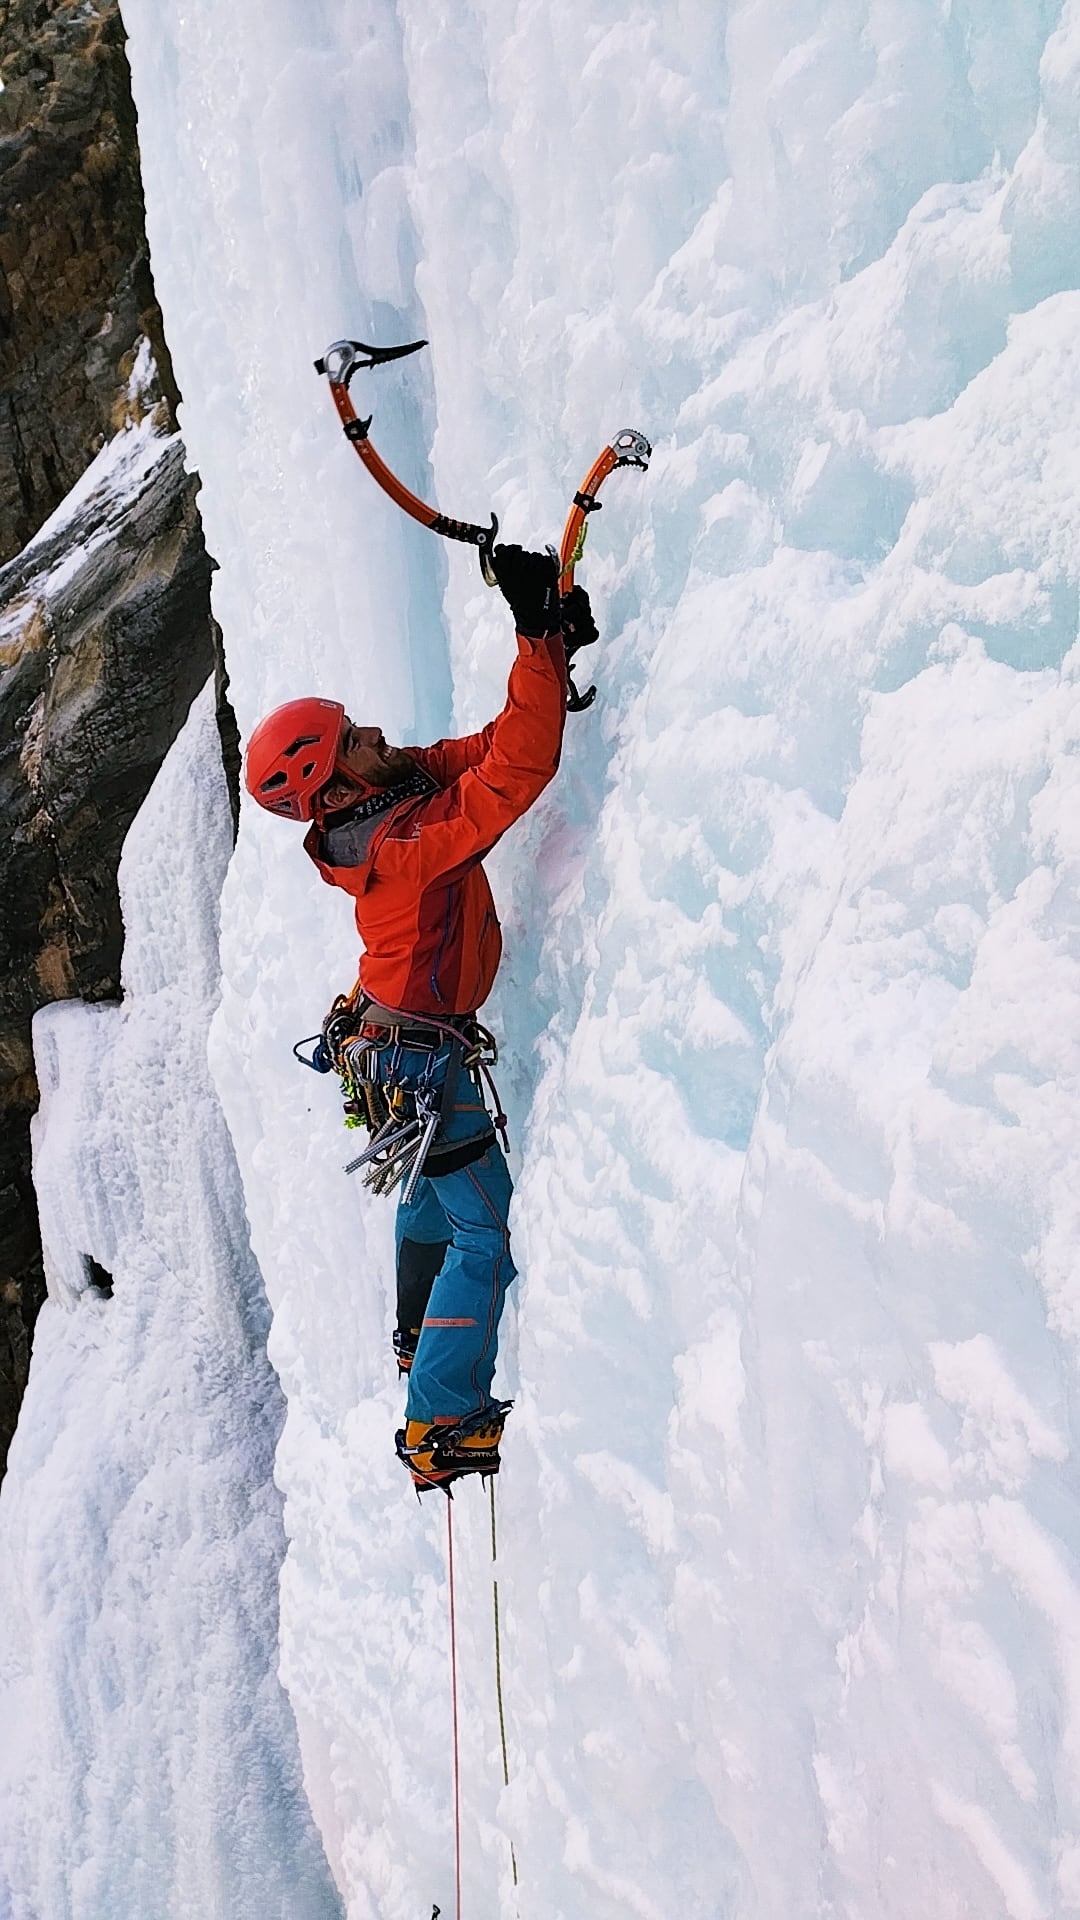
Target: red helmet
column 291, row 755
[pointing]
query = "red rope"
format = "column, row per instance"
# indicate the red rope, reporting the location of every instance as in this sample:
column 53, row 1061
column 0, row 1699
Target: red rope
column 453, row 1696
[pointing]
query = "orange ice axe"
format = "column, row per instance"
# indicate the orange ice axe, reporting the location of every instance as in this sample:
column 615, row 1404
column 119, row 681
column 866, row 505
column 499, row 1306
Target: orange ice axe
column 628, row 449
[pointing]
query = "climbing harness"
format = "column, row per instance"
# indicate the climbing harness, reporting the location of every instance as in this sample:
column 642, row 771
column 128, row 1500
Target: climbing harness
column 363, row 1043
column 627, row 449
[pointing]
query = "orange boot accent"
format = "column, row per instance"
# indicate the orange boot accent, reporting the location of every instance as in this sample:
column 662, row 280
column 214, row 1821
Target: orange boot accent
column 438, row 1452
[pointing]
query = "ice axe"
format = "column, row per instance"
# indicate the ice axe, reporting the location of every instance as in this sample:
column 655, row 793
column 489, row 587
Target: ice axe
column 629, row 448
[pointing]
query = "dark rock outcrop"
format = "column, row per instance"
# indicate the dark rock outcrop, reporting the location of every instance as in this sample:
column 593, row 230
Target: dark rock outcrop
column 105, row 626
column 75, row 285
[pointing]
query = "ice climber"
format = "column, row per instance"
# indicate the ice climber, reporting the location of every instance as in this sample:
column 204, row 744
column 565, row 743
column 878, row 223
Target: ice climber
column 404, row 832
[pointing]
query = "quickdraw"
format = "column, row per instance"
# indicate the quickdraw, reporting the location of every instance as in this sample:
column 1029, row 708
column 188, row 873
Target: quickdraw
column 402, row 1119
column 628, row 449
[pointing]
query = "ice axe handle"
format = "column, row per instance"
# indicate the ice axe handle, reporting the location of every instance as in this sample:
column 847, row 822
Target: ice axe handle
column 482, row 538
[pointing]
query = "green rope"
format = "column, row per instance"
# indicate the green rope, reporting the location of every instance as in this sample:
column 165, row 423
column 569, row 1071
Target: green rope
column 498, row 1660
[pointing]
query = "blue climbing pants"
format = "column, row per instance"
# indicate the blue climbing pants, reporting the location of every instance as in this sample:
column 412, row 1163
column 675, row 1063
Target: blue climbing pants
column 466, row 1213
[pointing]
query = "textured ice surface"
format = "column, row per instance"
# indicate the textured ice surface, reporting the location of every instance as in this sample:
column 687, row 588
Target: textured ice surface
column 789, row 1520
column 149, row 1765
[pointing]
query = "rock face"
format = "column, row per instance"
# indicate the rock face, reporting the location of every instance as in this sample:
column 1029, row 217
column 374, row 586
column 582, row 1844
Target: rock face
column 105, row 626
column 75, row 285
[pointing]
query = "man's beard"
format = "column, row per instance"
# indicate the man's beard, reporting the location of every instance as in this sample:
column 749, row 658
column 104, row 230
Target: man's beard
column 397, row 766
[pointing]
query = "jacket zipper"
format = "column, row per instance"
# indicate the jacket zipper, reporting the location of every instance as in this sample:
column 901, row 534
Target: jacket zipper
column 489, row 919
column 440, row 949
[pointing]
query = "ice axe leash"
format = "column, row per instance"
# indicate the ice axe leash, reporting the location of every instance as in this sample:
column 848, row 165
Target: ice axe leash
column 629, row 448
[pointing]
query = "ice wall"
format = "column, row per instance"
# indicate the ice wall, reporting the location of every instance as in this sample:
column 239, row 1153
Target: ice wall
column 150, row 1764
column 789, row 1520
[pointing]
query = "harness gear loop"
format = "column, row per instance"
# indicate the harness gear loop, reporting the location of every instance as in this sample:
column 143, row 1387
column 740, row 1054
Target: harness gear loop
column 363, row 1042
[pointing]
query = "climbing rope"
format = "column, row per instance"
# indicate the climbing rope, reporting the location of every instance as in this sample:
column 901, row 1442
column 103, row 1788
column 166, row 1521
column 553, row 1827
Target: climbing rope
column 453, row 1696
column 498, row 1658
column 454, row 1689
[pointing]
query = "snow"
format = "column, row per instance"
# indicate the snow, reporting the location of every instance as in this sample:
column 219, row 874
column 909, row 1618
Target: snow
column 788, row 1525
column 87, row 518
column 154, row 1766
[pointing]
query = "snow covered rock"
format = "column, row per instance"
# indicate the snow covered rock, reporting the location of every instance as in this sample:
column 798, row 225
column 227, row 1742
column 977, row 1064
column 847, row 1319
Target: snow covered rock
column 105, row 633
column 105, row 639
column 150, row 1764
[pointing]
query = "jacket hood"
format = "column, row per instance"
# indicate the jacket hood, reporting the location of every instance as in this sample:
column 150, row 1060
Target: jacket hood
column 346, row 838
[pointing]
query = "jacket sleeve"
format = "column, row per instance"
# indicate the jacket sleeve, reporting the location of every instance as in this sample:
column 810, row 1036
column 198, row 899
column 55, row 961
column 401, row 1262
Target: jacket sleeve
column 447, row 760
column 516, row 757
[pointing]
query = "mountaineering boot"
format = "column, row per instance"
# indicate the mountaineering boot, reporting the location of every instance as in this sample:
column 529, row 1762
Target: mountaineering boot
column 419, row 1263
column 437, row 1453
column 406, row 1340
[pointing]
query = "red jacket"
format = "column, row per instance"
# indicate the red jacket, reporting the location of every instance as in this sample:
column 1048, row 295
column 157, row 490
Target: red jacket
column 423, row 905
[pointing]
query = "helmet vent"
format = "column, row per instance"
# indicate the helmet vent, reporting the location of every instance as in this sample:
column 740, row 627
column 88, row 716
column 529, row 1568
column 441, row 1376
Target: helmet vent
column 290, row 755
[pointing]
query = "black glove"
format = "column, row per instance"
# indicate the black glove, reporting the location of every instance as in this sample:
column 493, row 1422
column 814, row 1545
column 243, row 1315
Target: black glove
column 578, row 625
column 529, row 582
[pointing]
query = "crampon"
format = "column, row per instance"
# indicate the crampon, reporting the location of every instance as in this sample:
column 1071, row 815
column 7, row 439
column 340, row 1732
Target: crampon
column 438, row 1453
